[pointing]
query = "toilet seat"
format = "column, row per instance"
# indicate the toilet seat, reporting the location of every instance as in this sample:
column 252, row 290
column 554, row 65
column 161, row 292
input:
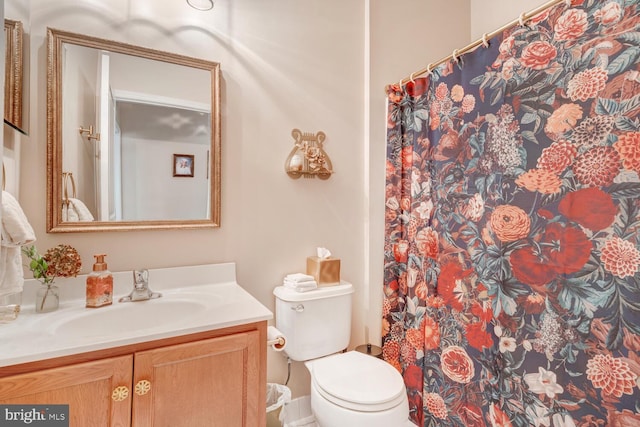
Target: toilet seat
column 359, row 382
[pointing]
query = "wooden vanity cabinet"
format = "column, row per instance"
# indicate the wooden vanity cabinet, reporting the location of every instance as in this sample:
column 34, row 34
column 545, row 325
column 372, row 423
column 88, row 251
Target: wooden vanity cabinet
column 208, row 382
column 85, row 387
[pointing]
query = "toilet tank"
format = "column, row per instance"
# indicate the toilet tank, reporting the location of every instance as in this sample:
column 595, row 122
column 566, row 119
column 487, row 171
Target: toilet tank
column 315, row 323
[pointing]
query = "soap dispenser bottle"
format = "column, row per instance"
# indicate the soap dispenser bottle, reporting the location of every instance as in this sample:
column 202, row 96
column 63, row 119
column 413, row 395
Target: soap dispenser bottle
column 99, row 284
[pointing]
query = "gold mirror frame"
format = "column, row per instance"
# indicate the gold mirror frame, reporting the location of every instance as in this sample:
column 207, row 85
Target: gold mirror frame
column 13, row 78
column 55, row 41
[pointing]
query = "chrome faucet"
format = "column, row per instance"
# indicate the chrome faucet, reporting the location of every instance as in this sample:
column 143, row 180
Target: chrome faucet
column 141, row 291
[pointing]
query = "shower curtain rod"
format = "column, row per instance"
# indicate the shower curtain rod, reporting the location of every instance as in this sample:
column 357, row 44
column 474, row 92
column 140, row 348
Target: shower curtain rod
column 524, row 17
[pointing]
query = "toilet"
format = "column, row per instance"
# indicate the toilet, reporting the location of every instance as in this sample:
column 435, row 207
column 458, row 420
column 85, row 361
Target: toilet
column 347, row 388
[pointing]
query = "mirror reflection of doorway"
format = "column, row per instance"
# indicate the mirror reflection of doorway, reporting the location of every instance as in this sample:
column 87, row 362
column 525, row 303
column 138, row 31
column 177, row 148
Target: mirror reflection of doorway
column 149, row 133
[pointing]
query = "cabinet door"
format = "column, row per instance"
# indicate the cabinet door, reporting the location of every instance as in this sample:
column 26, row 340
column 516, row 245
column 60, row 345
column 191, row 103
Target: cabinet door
column 86, row 387
column 209, row 383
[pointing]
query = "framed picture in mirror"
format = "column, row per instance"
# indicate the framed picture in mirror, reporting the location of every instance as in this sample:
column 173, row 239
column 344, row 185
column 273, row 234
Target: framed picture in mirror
column 183, row 165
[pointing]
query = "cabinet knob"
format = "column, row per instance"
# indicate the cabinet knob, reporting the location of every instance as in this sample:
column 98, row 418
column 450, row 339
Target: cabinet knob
column 143, row 387
column 120, row 393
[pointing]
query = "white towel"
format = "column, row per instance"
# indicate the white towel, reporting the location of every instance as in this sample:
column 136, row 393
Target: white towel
column 301, row 287
column 76, row 211
column 15, row 232
column 304, row 283
column 298, row 277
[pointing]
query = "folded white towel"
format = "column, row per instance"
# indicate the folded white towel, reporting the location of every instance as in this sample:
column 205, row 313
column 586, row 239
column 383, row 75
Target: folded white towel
column 15, row 232
column 298, row 277
column 303, row 283
column 76, row 211
column 307, row 286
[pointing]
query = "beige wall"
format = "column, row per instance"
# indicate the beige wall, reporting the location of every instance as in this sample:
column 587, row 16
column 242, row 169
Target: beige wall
column 488, row 15
column 313, row 65
column 285, row 64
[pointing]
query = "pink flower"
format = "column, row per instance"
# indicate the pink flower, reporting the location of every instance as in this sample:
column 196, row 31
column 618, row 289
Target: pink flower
column 587, row 84
column 613, row 376
column 628, row 146
column 597, row 167
column 507, row 46
column 620, row 257
column 473, row 210
column 571, row 25
column 538, row 54
column 457, row 365
column 609, row 14
column 457, row 92
column 468, row 103
column 510, row 223
column 507, row 68
column 540, row 180
column 435, row 404
column 556, row 157
column 563, row 118
column 427, row 242
column 442, row 91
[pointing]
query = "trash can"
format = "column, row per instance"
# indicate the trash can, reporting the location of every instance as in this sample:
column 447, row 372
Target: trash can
column 277, row 396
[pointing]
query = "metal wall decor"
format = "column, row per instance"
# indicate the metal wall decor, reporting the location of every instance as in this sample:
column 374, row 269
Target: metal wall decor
column 308, row 157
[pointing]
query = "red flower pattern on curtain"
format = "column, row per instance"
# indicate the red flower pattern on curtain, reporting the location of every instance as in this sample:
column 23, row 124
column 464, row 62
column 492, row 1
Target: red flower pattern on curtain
column 512, row 250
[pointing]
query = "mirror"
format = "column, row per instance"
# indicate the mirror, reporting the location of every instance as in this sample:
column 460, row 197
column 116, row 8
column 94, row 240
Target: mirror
column 13, row 74
column 133, row 137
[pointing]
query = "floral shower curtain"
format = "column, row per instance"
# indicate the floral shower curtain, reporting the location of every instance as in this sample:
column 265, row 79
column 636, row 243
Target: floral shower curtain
column 512, row 259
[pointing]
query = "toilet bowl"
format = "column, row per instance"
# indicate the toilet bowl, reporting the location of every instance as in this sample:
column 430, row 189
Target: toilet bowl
column 356, row 390
column 349, row 389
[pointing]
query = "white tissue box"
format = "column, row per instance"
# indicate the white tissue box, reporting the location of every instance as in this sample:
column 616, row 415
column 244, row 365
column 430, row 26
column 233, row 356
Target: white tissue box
column 326, row 271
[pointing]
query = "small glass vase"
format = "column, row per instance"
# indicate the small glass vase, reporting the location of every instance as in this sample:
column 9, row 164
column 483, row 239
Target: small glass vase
column 47, row 298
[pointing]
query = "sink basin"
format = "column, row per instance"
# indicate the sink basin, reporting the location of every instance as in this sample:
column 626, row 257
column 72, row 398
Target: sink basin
column 128, row 317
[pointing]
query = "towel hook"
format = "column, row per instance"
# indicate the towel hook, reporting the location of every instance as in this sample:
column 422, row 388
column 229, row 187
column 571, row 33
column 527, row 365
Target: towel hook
column 89, row 132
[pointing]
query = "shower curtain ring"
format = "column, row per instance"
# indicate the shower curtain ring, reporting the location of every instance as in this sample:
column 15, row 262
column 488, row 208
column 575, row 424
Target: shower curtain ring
column 485, row 40
column 430, row 69
column 454, row 56
column 400, row 84
column 522, row 19
column 411, row 78
column 568, row 3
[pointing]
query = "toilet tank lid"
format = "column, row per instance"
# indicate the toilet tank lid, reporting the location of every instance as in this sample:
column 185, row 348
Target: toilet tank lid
column 289, row 294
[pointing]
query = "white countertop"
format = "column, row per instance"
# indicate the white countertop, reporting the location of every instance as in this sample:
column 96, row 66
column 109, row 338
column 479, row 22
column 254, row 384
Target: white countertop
column 194, row 299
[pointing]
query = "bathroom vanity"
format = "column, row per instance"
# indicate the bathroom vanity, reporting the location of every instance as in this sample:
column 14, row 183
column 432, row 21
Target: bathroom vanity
column 194, row 357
